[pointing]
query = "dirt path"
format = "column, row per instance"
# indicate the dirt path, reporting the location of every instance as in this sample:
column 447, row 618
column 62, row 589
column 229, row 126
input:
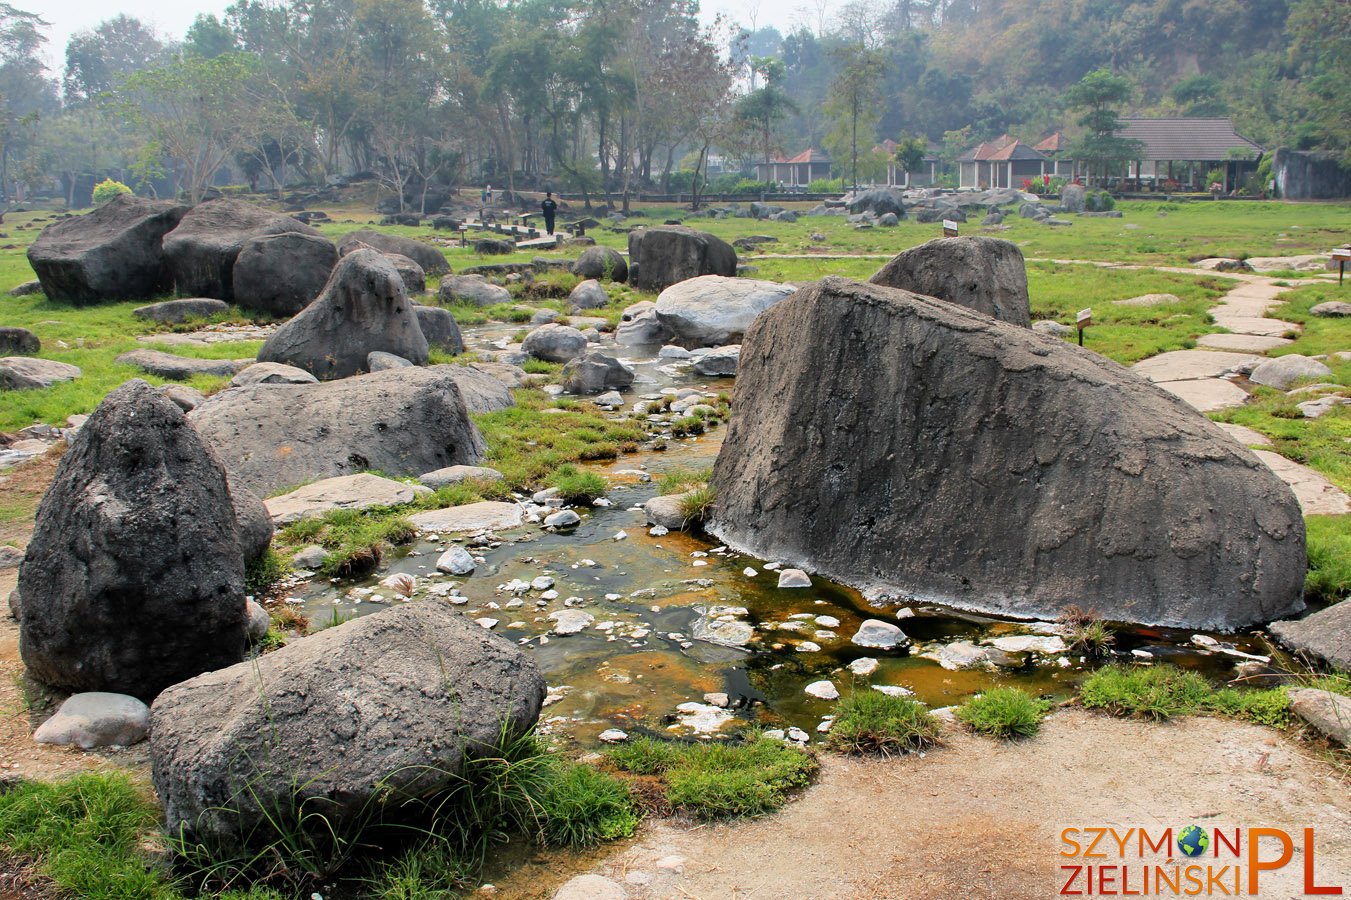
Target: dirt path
column 981, row 819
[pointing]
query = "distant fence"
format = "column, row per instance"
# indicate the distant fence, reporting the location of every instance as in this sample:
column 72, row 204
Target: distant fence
column 682, row 199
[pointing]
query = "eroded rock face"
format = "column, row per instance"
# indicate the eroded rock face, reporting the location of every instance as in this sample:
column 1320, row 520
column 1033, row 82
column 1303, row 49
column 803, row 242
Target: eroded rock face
column 661, row 256
column 712, row 311
column 981, row 273
column 980, row 464
column 601, row 263
column 281, row 273
column 362, row 309
column 112, row 253
column 201, row 252
column 383, row 708
column 432, row 261
column 134, row 577
column 439, row 328
column 400, row 422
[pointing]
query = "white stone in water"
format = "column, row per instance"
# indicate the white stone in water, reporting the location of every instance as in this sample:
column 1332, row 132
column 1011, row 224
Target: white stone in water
column 892, row 690
column 1028, row 643
column 587, row 563
column 600, row 501
column 828, row 621
column 456, row 561
column 542, row 583
column 802, row 617
column 702, row 718
column 808, row 647
column 487, row 623
column 719, row 700
column 699, row 562
column 613, row 736
column 550, row 594
column 773, row 567
column 863, row 666
column 562, row 519
column 825, row 635
column 822, row 690
column 879, row 634
column 905, row 612
column 659, row 531
column 621, row 535
column 1202, row 640
column 794, row 578
column 827, row 723
column 798, row 736
column 613, row 597
column 96, row 719
column 749, row 572
column 773, row 734
column 571, row 621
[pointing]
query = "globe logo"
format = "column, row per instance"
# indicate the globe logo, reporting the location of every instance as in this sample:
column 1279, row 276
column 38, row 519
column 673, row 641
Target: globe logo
column 1192, row 841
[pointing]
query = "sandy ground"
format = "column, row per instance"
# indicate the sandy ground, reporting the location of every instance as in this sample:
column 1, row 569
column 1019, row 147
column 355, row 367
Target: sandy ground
column 978, row 818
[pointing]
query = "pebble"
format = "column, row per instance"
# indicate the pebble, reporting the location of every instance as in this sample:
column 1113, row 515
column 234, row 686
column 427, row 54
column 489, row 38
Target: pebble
column 562, row 519
column 571, row 621
column 621, row 535
column 808, row 647
column 879, row 634
column 613, row 736
column 719, row 700
column 828, row 621
column 892, row 690
column 487, row 623
column 822, row 690
column 542, row 583
column 794, row 578
column 455, row 561
column 656, row 531
column 863, row 666
column 797, row 735
column 749, row 572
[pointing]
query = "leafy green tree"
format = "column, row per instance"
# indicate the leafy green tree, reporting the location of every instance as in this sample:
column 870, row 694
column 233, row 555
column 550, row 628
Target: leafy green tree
column 26, row 95
column 910, row 152
column 1321, row 30
column 855, row 100
column 96, row 59
column 1098, row 94
column 764, row 108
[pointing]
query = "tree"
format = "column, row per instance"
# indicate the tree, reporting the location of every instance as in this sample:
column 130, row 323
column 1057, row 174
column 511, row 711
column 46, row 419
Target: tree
column 766, row 107
column 1098, row 93
column 855, row 98
column 25, row 93
column 910, row 152
column 1322, row 47
column 97, row 59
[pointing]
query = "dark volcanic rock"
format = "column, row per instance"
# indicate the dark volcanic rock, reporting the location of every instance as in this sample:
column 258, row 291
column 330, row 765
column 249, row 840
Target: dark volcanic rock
column 595, row 373
column 440, row 329
column 377, row 711
column 112, row 253
column 602, row 263
column 175, row 312
column 401, row 422
column 1324, row 636
column 976, row 463
column 134, row 577
column 414, row 279
column 181, row 368
column 202, row 250
column 980, row 273
column 425, row 255
column 362, row 309
column 18, row 342
column 661, row 256
column 281, row 273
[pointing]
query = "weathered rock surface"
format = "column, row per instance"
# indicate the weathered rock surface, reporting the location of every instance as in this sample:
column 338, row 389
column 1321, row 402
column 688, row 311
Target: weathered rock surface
column 719, row 363
column 414, row 278
column 253, row 521
column 19, row 342
column 112, row 253
column 271, row 373
column 603, row 263
column 664, row 510
column 483, row 391
column 981, row 273
column 21, row 373
column 382, row 708
column 96, row 719
column 554, row 343
column 486, row 515
column 180, row 368
column 1284, row 372
column 640, row 326
column 1324, row 636
column 711, row 310
column 280, row 274
column 456, row 474
column 1327, row 713
column 186, row 398
column 361, row 491
column 471, row 290
column 202, row 250
column 439, row 328
column 589, row 294
column 433, row 262
column 134, row 577
column 595, row 373
column 402, row 422
column 1120, row 493
column 379, row 361
column 661, row 256
column 175, row 312
column 363, row 308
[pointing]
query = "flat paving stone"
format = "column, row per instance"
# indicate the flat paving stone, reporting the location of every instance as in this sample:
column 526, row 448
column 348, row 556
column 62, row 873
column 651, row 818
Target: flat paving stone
column 1206, row 394
column 1316, row 495
column 1245, row 435
column 487, row 515
column 1187, row 365
column 361, row 491
column 1253, row 325
column 1243, row 343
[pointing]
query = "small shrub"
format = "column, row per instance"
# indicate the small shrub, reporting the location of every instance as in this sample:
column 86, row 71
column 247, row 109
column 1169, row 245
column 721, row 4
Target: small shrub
column 869, row 721
column 107, row 189
column 583, row 807
column 578, row 486
column 681, row 480
column 1004, row 712
column 1261, row 707
column 1094, row 638
column 1155, row 692
column 432, row 870
column 262, row 574
column 697, row 504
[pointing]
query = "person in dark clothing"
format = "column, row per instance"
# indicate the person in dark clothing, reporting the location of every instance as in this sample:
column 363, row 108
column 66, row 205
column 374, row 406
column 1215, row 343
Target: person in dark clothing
column 549, row 206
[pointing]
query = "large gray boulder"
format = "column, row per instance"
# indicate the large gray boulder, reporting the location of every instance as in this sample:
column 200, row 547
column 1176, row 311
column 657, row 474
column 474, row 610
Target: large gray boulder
column 601, row 263
column 595, row 373
column 134, row 577
column 640, row 326
column 554, row 343
column 661, row 256
column 980, row 464
column 981, row 273
column 280, row 274
column 176, row 312
column 879, row 202
column 350, row 721
column 363, row 308
column 1324, row 636
column 589, row 294
column 414, row 278
column 400, row 422
column 471, row 290
column 439, row 328
column 711, row 311
column 22, row 373
column 1072, row 198
column 112, row 253
column 480, row 386
column 202, row 250
column 433, row 262
column 180, row 368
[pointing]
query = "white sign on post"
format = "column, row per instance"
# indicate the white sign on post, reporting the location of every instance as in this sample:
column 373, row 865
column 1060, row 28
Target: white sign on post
column 949, row 228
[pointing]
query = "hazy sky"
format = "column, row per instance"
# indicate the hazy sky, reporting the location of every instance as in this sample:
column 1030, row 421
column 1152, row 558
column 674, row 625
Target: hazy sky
column 172, row 17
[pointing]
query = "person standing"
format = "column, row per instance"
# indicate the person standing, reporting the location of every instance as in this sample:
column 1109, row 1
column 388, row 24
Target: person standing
column 549, row 206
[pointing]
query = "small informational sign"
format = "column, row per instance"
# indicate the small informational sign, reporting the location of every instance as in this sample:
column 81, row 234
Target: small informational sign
column 949, row 228
column 1341, row 256
column 1082, row 321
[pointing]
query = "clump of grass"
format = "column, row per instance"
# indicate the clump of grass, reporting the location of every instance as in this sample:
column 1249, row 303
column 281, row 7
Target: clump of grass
column 262, row 574
column 720, row 780
column 1329, row 546
column 1153, row 692
column 430, row 870
column 85, row 833
column 687, row 425
column 681, row 480
column 1004, row 712
column 578, row 486
column 871, row 722
column 696, row 505
column 534, row 366
column 1086, row 633
column 1262, row 707
column 356, row 540
column 584, row 807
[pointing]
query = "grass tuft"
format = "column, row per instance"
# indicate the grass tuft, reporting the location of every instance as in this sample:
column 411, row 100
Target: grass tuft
column 1004, row 712
column 578, row 486
column 696, row 505
column 1151, row 692
column 871, row 722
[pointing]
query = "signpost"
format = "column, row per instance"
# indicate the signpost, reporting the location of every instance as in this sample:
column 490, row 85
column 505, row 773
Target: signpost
column 949, row 228
column 1341, row 256
column 1082, row 321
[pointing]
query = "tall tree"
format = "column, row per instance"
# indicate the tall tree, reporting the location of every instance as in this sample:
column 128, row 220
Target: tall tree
column 855, row 100
column 1099, row 93
column 766, row 107
column 97, row 59
column 1322, row 48
column 26, row 95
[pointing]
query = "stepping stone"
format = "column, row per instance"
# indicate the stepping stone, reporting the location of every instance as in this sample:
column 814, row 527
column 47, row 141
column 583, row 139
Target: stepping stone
column 1316, row 495
column 1187, row 365
column 21, row 373
column 1244, row 435
column 1253, row 325
column 344, row 492
column 1207, row 394
column 178, row 311
column 488, row 515
column 1149, row 300
column 1249, row 343
column 180, row 368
